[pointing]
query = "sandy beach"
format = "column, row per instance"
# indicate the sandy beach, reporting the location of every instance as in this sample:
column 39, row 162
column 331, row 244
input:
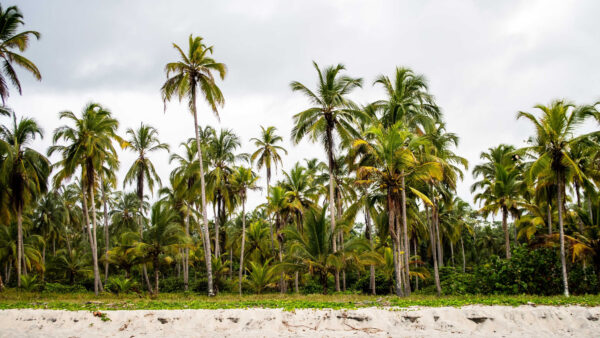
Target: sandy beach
column 478, row 321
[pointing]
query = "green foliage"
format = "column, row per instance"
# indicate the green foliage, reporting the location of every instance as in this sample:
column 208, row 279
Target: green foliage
column 63, row 289
column 30, row 283
column 118, row 285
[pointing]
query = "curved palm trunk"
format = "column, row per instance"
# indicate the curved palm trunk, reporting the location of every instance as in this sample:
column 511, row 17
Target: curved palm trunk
column 329, row 145
column 563, row 262
column 20, row 257
column 204, row 227
column 440, row 251
column 405, row 234
column 243, row 247
column 505, row 229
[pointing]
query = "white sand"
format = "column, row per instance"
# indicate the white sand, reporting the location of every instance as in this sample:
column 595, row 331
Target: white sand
column 472, row 321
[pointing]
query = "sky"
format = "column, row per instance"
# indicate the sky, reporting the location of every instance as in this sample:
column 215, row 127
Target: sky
column 484, row 62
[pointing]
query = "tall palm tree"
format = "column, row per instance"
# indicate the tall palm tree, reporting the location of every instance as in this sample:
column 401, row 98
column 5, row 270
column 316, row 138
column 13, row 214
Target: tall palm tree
column 193, row 72
column 331, row 113
column 143, row 141
column 11, row 43
column 500, row 185
column 243, row 180
column 25, row 172
column 387, row 158
column 551, row 143
column 267, row 155
column 89, row 145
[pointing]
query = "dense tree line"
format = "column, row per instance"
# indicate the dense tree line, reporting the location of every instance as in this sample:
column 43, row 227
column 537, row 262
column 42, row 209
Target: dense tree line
column 377, row 213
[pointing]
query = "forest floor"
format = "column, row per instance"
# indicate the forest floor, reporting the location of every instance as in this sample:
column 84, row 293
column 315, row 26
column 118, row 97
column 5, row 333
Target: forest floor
column 13, row 299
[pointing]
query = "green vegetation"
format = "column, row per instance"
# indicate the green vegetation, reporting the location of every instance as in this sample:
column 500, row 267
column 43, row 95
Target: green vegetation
column 377, row 214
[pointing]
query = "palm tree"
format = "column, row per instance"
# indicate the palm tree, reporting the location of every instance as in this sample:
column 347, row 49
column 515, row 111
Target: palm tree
column 331, row 113
column 243, row 180
column 552, row 142
column 163, row 236
column 143, row 141
column 25, row 172
column 89, row 145
column 261, row 276
column 387, row 159
column 193, row 72
column 267, row 155
column 500, row 187
column 10, row 39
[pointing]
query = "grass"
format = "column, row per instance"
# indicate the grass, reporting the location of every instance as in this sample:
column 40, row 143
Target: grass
column 11, row 299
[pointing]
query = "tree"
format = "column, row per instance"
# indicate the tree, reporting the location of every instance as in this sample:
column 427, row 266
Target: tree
column 10, row 39
column 553, row 138
column 500, row 186
column 332, row 113
column 25, row 172
column 267, row 155
column 89, row 145
column 143, row 141
column 163, row 236
column 243, row 180
column 191, row 73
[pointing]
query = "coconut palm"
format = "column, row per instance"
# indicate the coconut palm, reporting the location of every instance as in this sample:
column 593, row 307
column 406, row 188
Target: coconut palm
column 11, row 44
column 25, row 172
column 243, row 179
column 331, row 113
column 89, row 145
column 387, row 158
column 552, row 141
column 164, row 236
column 143, row 141
column 193, row 72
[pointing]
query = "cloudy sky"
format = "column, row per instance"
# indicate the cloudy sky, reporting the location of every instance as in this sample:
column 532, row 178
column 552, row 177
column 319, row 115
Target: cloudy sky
column 484, row 60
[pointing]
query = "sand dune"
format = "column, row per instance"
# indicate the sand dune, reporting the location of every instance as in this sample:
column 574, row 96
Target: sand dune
column 479, row 321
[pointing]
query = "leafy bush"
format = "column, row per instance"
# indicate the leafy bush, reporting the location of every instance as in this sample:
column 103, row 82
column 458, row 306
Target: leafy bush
column 118, row 284
column 62, row 288
column 382, row 285
column 30, row 283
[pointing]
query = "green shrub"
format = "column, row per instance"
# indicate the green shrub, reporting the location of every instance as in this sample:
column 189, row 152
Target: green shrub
column 62, row 288
column 30, row 283
column 118, row 284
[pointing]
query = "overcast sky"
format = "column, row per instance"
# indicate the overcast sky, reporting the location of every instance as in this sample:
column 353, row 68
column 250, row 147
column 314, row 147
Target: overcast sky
column 484, row 60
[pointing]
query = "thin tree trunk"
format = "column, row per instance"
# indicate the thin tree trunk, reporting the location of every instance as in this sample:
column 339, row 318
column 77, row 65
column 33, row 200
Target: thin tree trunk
column 95, row 225
column 89, row 234
column 451, row 253
column 296, row 289
column 217, row 226
column 106, row 235
column 417, row 264
column 563, row 262
column 186, row 254
column 405, row 234
column 20, row 257
column 369, row 236
column 505, row 229
column 462, row 249
column 436, row 220
column 243, row 246
column 395, row 243
column 155, row 262
column 436, row 272
column 549, row 215
column 204, row 228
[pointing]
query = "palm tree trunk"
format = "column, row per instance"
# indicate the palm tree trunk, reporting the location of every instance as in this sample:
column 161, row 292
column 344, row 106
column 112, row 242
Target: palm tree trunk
column 462, row 249
column 549, row 215
column 243, row 246
column 395, row 243
column 296, row 288
column 505, row 229
column 217, row 226
column 416, row 263
column 186, row 255
column 451, row 253
column 204, row 227
column 563, row 262
column 405, row 233
column 106, row 235
column 436, row 272
column 20, row 257
column 369, row 236
column 329, row 145
column 270, row 219
column 86, row 214
column 95, row 245
column 436, row 221
column 155, row 263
